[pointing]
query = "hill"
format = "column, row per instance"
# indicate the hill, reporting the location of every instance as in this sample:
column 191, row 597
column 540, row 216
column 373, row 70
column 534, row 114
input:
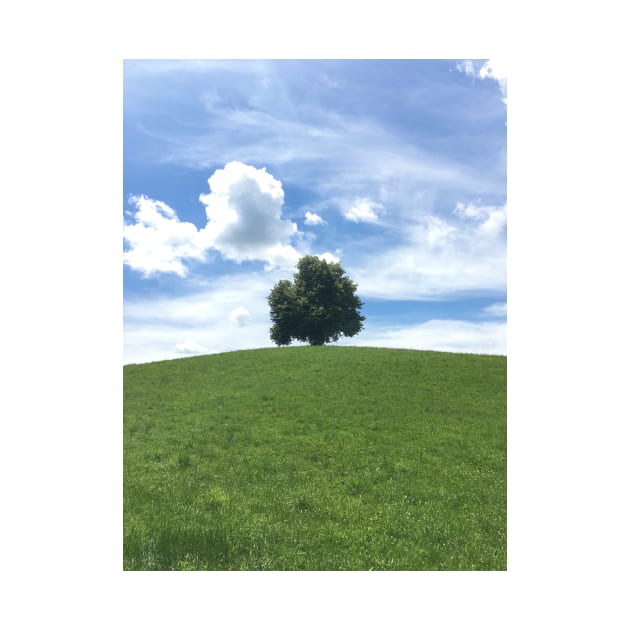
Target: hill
column 316, row 458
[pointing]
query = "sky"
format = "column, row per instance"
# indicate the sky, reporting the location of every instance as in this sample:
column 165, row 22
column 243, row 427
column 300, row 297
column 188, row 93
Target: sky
column 233, row 170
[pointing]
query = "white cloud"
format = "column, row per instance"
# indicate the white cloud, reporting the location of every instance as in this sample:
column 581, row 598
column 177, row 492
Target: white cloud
column 438, row 257
column 244, row 211
column 239, row 316
column 144, row 342
column 312, row 218
column 491, row 69
column 189, row 347
column 332, row 152
column 363, row 211
column 467, row 67
column 413, row 272
column 491, row 219
column 470, row 210
column 153, row 326
column 158, row 241
column 495, row 69
column 496, row 310
column 207, row 306
column 328, row 257
column 440, row 335
column 438, row 232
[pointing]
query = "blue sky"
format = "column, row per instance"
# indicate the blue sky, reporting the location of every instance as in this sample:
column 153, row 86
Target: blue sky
column 235, row 169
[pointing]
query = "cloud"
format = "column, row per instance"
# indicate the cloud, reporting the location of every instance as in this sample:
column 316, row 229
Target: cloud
column 312, row 218
column 438, row 232
column 144, row 342
column 209, row 305
column 494, row 69
column 153, row 326
column 437, row 256
column 490, row 69
column 158, row 241
column 440, row 335
column 467, row 67
column 335, row 155
column 363, row 211
column 189, row 347
column 263, row 112
column 418, row 273
column 244, row 212
column 491, row 219
column 328, row 257
column 496, row 310
column 239, row 316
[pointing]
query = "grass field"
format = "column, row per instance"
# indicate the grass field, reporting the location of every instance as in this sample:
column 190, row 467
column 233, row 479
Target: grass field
column 316, row 458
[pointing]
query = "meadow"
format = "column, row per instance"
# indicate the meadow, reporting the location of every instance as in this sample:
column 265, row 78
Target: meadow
column 316, row 458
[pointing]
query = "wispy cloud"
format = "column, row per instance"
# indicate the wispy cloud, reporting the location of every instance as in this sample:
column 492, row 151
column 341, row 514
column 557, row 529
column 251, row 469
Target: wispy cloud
column 189, row 346
column 491, row 220
column 233, row 314
column 208, row 305
column 440, row 335
column 496, row 310
column 439, row 257
column 336, row 154
column 212, row 321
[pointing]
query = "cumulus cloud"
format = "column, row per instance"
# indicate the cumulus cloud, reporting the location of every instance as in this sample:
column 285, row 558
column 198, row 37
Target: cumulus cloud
column 158, row 241
column 239, row 316
column 244, row 212
column 328, row 257
column 363, row 210
column 189, row 347
column 312, row 218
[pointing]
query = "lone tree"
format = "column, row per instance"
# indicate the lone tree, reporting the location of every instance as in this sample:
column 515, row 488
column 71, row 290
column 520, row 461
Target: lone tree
column 319, row 306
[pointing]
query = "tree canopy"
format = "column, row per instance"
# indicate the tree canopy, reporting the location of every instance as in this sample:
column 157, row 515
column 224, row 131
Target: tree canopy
column 319, row 306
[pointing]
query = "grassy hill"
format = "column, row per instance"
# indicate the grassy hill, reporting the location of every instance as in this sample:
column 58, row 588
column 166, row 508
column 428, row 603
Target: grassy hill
column 316, row 458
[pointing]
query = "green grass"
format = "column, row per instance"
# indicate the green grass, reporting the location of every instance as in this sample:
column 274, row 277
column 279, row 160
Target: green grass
column 316, row 458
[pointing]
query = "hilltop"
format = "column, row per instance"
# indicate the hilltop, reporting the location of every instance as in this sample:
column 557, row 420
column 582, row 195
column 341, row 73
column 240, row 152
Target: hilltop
column 316, row 458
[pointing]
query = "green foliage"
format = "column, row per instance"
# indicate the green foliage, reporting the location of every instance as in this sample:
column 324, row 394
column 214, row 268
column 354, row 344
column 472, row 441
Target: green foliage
column 316, row 458
column 319, row 306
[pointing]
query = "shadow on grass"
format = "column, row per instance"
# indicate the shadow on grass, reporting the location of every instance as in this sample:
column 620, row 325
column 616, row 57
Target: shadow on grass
column 179, row 547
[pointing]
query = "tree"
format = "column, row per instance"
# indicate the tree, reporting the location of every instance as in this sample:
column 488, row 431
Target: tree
column 319, row 306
